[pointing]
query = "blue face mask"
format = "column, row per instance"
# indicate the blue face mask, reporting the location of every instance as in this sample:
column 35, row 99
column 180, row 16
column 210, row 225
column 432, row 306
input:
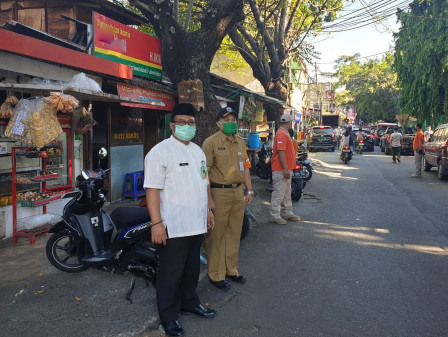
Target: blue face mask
column 185, row 132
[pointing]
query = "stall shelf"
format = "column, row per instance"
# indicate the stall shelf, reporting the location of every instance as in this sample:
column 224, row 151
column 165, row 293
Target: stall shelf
column 32, row 225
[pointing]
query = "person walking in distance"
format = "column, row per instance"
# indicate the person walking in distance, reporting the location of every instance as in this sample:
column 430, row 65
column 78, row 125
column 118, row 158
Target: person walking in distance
column 418, row 146
column 428, row 133
column 283, row 162
column 396, row 142
column 176, row 183
column 228, row 167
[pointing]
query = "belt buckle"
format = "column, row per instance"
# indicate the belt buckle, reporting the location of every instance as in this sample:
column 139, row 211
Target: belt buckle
column 234, row 185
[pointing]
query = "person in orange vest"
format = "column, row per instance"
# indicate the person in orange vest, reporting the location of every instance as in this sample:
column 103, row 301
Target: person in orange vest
column 419, row 148
column 283, row 162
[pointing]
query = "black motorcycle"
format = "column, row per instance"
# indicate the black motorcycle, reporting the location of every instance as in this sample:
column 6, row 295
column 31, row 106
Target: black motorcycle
column 263, row 168
column 359, row 147
column 298, row 182
column 306, row 164
column 88, row 237
column 346, row 154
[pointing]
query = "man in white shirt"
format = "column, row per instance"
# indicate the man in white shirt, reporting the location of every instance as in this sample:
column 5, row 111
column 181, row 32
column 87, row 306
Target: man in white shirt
column 428, row 133
column 177, row 191
column 396, row 141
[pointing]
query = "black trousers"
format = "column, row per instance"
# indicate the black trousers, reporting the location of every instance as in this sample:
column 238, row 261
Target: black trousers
column 178, row 276
column 396, row 151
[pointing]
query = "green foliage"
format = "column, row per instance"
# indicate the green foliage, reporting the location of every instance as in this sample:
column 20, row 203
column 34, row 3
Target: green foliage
column 370, row 86
column 421, row 59
column 274, row 34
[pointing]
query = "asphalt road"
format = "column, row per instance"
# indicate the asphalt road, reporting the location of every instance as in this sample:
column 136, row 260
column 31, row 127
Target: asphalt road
column 369, row 258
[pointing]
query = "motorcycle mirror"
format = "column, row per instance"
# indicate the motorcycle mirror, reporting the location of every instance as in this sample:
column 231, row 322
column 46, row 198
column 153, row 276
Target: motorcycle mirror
column 84, row 174
column 102, row 153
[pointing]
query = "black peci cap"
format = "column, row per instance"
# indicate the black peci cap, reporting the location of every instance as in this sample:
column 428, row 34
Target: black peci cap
column 183, row 109
column 223, row 112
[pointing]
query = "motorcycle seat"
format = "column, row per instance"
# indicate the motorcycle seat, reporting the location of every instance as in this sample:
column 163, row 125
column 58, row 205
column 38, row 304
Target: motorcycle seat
column 126, row 217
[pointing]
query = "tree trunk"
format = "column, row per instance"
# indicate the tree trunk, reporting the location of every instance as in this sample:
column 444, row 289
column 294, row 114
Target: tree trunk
column 278, row 90
column 188, row 56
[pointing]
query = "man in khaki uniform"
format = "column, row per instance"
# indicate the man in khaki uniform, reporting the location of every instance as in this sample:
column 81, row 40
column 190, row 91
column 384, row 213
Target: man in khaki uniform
column 228, row 167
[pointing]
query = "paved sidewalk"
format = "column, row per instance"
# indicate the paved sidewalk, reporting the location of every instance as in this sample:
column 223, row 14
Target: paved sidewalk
column 34, row 294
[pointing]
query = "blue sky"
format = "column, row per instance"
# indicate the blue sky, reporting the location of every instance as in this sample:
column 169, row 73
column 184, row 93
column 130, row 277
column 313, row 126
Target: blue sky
column 367, row 41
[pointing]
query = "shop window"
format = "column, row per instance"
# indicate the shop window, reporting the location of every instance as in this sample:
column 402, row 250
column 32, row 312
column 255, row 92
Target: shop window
column 127, row 126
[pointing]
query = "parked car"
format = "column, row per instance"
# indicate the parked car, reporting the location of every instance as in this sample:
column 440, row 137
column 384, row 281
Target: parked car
column 384, row 144
column 369, row 140
column 408, row 134
column 380, row 129
column 322, row 138
column 436, row 152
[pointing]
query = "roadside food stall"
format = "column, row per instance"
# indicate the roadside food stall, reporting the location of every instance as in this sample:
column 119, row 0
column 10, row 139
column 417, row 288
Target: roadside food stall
column 253, row 126
column 36, row 161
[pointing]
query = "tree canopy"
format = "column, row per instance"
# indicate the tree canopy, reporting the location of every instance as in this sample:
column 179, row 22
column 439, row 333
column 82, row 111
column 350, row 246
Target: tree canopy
column 370, row 87
column 273, row 35
column 421, row 59
column 188, row 50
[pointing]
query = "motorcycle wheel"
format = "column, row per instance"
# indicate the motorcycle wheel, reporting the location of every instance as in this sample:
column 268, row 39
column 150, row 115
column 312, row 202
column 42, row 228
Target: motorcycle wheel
column 61, row 252
column 309, row 172
column 261, row 172
column 246, row 227
column 296, row 191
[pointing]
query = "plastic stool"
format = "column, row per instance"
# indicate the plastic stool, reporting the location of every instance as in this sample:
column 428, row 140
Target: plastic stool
column 133, row 185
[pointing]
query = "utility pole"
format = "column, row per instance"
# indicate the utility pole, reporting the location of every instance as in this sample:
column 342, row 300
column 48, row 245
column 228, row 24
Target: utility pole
column 319, row 103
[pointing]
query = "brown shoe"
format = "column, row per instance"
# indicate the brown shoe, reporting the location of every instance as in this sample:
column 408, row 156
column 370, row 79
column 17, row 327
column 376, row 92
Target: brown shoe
column 292, row 217
column 279, row 221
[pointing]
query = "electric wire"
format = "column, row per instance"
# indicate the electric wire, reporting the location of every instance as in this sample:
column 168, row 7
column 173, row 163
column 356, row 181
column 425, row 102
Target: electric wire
column 366, row 15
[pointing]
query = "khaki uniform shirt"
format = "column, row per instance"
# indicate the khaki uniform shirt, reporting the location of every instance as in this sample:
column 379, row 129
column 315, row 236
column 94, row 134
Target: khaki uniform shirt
column 226, row 158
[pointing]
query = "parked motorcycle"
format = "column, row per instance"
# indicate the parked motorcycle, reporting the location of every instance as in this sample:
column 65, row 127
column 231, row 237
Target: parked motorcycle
column 87, row 237
column 359, row 147
column 346, row 154
column 306, row 164
column 298, row 182
column 248, row 216
column 263, row 168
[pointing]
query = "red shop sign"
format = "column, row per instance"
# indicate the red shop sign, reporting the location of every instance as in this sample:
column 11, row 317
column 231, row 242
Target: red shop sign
column 65, row 121
column 150, row 99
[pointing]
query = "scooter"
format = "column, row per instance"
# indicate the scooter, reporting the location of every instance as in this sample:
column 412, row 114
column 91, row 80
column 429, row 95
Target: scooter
column 359, row 147
column 298, row 182
column 263, row 168
column 346, row 154
column 87, row 237
column 306, row 164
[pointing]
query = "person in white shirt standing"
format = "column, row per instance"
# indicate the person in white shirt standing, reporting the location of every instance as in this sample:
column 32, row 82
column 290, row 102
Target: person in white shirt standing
column 178, row 195
column 396, row 141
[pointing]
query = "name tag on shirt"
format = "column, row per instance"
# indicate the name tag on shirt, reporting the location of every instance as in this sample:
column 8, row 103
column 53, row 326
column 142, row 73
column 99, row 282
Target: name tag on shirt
column 183, row 164
column 204, row 174
column 241, row 166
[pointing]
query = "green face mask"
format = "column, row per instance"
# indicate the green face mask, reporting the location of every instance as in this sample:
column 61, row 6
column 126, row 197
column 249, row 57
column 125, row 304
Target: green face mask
column 229, row 128
column 185, row 132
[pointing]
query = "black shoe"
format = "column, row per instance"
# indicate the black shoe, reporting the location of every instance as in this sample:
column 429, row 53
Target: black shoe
column 172, row 329
column 200, row 310
column 399, row 160
column 223, row 285
column 237, row 278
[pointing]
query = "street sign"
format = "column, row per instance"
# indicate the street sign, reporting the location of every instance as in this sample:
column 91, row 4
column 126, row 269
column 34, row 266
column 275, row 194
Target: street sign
column 329, row 95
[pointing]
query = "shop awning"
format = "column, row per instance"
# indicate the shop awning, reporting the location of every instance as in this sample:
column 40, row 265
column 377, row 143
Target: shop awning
column 223, row 99
column 81, row 94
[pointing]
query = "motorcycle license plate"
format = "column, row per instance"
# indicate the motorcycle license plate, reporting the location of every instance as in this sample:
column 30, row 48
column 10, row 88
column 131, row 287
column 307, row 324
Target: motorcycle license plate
column 346, row 150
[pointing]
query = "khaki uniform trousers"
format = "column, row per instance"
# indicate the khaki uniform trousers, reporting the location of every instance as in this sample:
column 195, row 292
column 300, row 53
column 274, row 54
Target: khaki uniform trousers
column 281, row 203
column 418, row 158
column 223, row 242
